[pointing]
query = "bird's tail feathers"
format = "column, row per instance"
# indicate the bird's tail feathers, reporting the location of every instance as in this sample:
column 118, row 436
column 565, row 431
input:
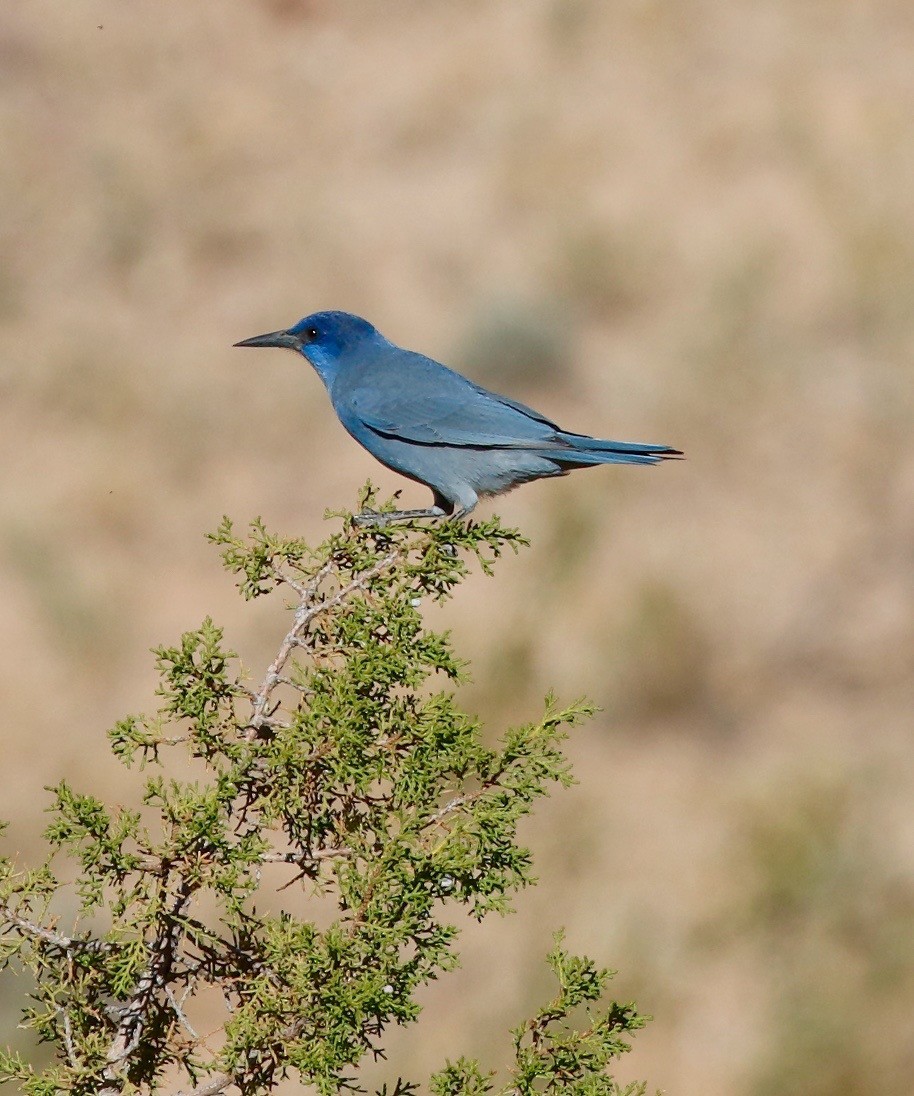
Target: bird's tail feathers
column 586, row 450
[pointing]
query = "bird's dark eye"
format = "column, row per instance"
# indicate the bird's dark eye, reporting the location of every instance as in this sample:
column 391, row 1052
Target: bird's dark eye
column 311, row 333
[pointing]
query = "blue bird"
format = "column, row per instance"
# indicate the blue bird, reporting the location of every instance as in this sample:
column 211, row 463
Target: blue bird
column 433, row 425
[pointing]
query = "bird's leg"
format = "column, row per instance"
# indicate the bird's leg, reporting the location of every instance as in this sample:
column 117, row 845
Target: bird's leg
column 373, row 517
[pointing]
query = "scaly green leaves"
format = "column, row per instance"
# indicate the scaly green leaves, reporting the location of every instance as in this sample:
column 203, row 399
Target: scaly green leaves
column 348, row 769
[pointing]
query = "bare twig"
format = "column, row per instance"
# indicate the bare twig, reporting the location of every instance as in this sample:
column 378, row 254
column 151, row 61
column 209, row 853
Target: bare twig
column 454, row 805
column 306, row 612
column 221, row 1081
column 68, row 1038
column 179, row 1012
column 283, row 577
column 303, row 689
column 51, row 937
column 216, row 1084
column 464, row 800
column 133, row 1018
column 303, row 858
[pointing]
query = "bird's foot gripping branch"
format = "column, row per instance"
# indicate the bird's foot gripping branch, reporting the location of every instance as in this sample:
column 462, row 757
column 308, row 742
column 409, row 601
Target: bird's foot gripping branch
column 274, row 912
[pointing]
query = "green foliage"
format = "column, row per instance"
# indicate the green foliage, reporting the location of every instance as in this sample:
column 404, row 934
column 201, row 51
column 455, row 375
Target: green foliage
column 349, row 771
column 551, row 1054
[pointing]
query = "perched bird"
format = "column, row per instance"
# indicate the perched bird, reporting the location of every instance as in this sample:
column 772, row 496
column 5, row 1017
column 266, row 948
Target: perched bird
column 433, row 425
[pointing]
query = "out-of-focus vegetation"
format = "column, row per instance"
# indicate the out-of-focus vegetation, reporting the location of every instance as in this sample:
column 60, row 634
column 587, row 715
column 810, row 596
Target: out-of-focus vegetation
column 695, row 222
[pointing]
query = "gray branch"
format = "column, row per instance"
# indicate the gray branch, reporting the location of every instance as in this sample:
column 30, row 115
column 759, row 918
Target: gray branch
column 306, row 612
column 49, row 936
column 133, row 1018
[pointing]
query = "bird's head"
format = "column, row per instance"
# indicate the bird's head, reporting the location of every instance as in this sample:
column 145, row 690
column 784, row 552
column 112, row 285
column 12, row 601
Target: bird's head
column 324, row 338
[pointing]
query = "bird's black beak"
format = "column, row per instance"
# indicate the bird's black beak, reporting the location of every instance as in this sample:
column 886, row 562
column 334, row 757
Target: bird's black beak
column 273, row 338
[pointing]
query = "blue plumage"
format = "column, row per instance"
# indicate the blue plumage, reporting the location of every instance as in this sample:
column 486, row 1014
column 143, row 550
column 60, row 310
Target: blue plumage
column 433, row 425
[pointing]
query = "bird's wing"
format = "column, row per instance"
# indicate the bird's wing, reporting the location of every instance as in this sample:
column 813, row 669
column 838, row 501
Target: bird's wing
column 417, row 399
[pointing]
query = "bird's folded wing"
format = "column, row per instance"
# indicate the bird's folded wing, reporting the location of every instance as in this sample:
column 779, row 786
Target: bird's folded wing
column 428, row 404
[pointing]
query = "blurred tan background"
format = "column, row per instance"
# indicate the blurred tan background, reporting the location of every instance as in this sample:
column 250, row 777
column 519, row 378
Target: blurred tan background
column 686, row 223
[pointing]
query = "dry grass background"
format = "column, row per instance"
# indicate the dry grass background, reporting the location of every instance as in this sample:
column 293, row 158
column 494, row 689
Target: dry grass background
column 689, row 223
